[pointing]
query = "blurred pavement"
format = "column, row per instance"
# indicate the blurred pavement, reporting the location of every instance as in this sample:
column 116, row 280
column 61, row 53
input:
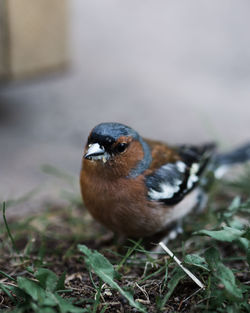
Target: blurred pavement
column 177, row 71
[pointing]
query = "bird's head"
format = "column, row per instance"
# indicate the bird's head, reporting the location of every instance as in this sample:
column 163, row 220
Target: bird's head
column 114, row 147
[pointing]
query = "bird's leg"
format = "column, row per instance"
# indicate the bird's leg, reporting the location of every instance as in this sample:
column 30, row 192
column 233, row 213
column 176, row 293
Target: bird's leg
column 171, row 235
column 202, row 200
column 105, row 239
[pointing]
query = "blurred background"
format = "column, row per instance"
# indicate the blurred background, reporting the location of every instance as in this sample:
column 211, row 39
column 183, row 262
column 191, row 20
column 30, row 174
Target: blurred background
column 175, row 71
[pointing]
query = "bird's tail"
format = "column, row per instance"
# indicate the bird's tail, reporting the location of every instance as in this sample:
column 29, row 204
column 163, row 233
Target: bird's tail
column 225, row 160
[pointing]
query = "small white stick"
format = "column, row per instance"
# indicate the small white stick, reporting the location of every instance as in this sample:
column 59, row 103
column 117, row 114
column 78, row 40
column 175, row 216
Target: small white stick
column 170, row 253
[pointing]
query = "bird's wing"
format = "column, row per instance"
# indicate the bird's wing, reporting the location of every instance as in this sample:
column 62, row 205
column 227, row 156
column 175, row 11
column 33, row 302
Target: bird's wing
column 173, row 180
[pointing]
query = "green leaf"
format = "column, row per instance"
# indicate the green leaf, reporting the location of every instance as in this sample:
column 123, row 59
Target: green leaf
column 223, row 274
column 245, row 243
column 235, row 204
column 50, row 299
column 47, row 279
column 47, row 310
column 36, row 292
column 23, row 308
column 228, row 234
column 236, row 223
column 67, row 307
column 226, row 276
column 196, row 260
column 19, row 309
column 60, row 283
column 246, row 306
column 248, row 255
column 247, row 234
column 97, row 262
column 34, row 306
column 105, row 270
column 212, row 257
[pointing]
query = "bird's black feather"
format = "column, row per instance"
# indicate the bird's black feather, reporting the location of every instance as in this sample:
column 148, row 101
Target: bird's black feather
column 172, row 181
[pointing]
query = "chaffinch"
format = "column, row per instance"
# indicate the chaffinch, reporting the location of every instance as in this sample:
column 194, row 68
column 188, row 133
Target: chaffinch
column 138, row 187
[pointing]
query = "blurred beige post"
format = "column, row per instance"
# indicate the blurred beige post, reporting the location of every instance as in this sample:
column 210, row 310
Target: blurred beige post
column 33, row 37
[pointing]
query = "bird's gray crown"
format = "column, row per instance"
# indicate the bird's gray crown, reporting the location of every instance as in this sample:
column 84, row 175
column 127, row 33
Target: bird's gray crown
column 110, row 132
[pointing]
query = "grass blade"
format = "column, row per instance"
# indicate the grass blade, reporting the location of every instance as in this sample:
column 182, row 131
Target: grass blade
column 7, row 228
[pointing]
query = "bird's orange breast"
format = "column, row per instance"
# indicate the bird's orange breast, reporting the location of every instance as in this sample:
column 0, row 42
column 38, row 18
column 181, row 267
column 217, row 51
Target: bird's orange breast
column 120, row 205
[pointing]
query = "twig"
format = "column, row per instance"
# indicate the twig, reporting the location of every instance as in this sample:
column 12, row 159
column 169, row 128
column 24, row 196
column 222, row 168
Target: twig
column 144, row 292
column 191, row 275
column 194, row 293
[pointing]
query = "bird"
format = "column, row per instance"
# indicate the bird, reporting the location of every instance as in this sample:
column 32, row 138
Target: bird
column 138, row 187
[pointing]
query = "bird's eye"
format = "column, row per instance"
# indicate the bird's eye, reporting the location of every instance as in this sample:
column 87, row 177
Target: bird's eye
column 121, row 147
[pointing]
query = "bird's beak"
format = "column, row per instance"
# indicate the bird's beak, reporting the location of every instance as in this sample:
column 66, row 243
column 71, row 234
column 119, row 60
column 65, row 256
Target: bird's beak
column 94, row 151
